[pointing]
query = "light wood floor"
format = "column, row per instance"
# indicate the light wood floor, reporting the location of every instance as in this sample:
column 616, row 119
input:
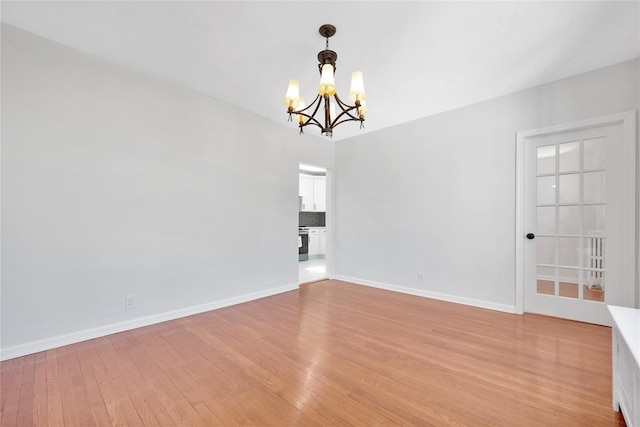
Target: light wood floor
column 331, row 353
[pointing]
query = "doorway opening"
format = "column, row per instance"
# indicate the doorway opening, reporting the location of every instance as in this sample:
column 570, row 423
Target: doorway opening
column 312, row 221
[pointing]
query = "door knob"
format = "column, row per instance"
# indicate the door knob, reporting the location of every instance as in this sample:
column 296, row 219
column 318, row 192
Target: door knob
column 530, row 236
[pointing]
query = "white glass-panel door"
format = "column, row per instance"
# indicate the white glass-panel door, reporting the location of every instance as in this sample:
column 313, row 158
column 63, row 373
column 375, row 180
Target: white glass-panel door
column 575, row 214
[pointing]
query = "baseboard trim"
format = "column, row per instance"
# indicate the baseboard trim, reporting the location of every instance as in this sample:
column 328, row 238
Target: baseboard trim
column 427, row 294
column 88, row 334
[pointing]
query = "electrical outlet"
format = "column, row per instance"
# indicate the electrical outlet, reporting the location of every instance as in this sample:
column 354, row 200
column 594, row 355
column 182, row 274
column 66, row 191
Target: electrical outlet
column 420, row 277
column 129, row 302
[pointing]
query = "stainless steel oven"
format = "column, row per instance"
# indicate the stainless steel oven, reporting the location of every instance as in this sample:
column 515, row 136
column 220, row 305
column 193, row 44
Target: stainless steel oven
column 303, row 243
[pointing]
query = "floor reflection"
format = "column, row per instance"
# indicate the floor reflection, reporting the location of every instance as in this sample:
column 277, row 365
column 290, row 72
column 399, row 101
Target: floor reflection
column 313, row 269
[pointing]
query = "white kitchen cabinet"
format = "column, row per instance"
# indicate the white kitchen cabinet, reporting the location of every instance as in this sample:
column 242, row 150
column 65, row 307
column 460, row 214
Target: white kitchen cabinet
column 317, row 242
column 314, row 242
column 313, row 190
column 306, row 193
column 323, row 242
column 626, row 363
column 319, row 193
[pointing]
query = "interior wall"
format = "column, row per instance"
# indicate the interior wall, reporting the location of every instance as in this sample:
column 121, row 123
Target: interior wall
column 118, row 184
column 428, row 207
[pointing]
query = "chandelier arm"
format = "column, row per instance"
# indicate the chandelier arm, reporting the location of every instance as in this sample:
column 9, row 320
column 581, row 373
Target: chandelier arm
column 312, row 119
column 346, row 110
column 314, row 122
column 315, row 110
column 347, row 120
column 345, row 116
column 308, row 107
column 344, row 105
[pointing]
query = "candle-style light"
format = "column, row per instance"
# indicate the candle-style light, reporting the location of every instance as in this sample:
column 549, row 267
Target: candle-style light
column 292, row 98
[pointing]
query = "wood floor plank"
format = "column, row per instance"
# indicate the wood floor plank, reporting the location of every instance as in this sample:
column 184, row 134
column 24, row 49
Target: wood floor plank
column 55, row 410
column 25, row 410
column 71, row 371
column 88, row 361
column 74, row 402
column 39, row 405
column 331, row 353
column 10, row 397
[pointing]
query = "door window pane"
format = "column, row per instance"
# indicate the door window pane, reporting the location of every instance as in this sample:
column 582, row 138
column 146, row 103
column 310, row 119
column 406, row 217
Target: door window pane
column 569, row 220
column 546, row 287
column 568, row 290
column 594, row 187
column 568, row 279
column 545, row 250
column 594, row 251
column 546, row 159
column 569, row 160
column 594, row 286
column 547, row 273
column 547, row 190
column 569, row 188
column 594, row 153
column 568, row 251
column 546, row 220
column 546, row 280
column 594, row 219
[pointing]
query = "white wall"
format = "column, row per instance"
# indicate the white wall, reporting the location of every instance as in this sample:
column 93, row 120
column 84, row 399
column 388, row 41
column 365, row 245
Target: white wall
column 114, row 183
column 437, row 195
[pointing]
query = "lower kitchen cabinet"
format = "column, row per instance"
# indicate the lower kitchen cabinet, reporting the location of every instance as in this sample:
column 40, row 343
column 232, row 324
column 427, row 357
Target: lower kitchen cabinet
column 626, row 363
column 317, row 242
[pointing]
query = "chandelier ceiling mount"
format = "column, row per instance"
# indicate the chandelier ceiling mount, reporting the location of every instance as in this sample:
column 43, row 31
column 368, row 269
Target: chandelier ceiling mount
column 327, row 56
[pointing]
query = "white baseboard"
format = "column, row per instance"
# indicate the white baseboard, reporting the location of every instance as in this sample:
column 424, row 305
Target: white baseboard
column 434, row 295
column 88, row 334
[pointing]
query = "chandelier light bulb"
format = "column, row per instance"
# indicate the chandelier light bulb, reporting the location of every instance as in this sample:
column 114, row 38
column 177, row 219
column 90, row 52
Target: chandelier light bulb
column 363, row 109
column 357, row 87
column 292, row 98
column 327, row 83
column 301, row 106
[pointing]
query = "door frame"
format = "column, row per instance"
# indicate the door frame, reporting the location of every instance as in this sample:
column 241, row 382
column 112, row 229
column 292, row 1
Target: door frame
column 329, row 215
column 628, row 122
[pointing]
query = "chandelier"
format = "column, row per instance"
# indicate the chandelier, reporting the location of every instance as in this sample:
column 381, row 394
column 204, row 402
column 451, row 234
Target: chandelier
column 331, row 116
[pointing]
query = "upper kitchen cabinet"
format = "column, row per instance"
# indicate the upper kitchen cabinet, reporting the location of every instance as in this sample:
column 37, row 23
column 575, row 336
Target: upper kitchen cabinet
column 320, row 193
column 306, row 193
column 313, row 193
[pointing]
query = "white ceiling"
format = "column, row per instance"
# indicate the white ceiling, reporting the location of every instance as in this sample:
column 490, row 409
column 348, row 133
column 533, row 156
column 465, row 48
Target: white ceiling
column 418, row 58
